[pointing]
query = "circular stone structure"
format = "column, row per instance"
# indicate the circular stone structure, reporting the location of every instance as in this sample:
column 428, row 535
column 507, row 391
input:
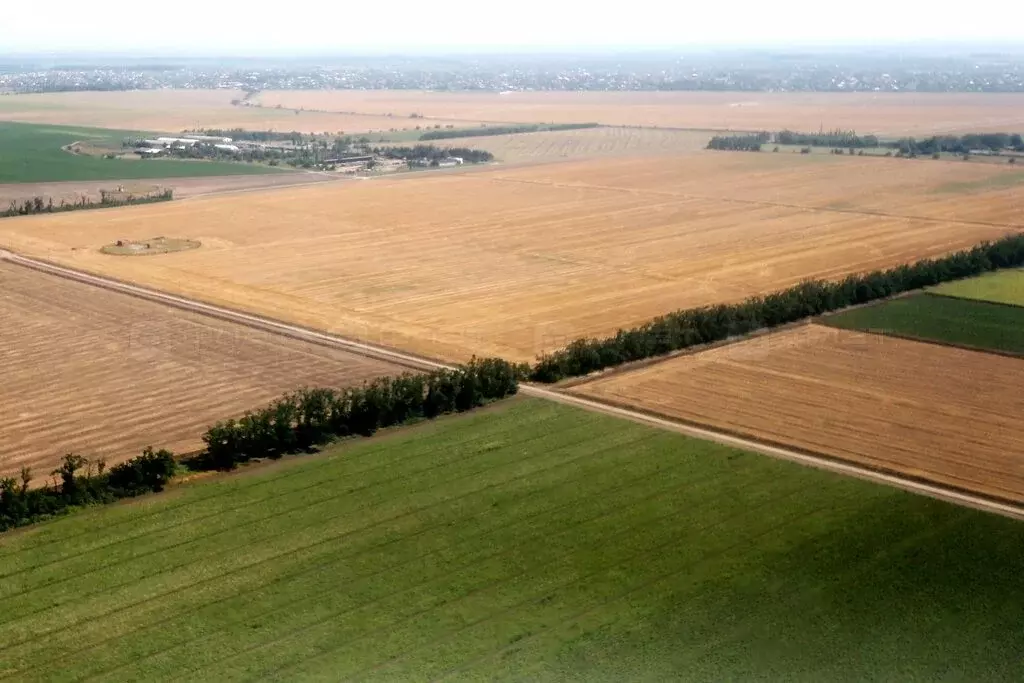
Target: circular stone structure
column 155, row 245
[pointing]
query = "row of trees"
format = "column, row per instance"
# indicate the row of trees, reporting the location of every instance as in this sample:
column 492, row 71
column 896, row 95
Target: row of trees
column 832, row 138
column 236, row 134
column 501, row 130
column 431, row 154
column 960, row 144
column 36, row 205
column 79, row 481
column 692, row 327
column 307, row 418
column 294, row 423
column 739, row 143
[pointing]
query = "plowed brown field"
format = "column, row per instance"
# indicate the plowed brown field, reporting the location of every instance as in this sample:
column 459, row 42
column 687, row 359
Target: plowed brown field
column 104, row 374
column 512, row 262
column 947, row 415
column 886, row 113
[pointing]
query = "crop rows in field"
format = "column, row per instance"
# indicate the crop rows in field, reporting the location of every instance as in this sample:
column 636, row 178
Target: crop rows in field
column 511, row 262
column 531, row 541
column 1005, row 287
column 961, row 322
column 944, row 414
column 105, row 375
column 882, row 113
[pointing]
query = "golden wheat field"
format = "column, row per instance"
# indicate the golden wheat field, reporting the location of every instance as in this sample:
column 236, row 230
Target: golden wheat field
column 586, row 143
column 516, row 261
column 104, row 375
column 883, row 113
column 174, row 111
column 943, row 414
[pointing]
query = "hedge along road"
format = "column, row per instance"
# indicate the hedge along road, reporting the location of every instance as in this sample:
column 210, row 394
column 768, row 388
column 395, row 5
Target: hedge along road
column 420, row 363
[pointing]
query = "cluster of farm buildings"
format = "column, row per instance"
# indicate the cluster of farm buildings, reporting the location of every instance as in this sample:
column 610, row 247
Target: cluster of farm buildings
column 162, row 145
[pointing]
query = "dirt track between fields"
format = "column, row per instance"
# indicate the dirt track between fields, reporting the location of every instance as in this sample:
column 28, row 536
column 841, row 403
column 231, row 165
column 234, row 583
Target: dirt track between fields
column 408, row 360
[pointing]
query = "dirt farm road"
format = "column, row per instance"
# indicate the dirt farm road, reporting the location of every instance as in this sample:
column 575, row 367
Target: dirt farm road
column 420, row 363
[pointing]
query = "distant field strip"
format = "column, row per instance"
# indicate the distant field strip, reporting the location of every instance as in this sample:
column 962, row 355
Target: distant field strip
column 943, row 414
column 104, row 375
column 886, row 113
column 960, row 322
column 585, row 143
column 173, row 111
column 511, row 262
column 531, row 541
column 1005, row 287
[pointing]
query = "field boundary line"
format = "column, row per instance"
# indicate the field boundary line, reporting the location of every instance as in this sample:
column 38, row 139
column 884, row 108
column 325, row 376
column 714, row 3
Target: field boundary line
column 975, row 299
column 289, row 330
column 949, row 494
column 881, row 332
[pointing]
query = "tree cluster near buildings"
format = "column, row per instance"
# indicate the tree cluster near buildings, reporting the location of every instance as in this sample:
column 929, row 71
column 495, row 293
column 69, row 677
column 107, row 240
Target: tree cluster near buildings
column 430, row 155
column 739, row 143
column 972, row 143
column 696, row 326
column 833, row 138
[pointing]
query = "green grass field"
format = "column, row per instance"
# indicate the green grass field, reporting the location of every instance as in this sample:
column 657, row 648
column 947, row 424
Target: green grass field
column 1005, row 286
column 961, row 322
column 528, row 541
column 31, row 153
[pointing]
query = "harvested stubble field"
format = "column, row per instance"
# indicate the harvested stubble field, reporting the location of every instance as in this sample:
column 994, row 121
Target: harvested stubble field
column 173, row 111
column 104, row 374
column 605, row 141
column 528, row 541
column 943, row 414
column 512, row 262
column 881, row 113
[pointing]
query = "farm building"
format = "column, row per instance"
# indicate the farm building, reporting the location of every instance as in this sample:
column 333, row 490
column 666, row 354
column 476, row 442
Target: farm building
column 210, row 138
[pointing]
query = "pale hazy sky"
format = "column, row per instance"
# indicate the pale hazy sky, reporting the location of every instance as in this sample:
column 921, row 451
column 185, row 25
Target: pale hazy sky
column 212, row 27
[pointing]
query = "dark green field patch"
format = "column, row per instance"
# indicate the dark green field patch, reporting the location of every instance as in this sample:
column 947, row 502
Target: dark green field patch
column 530, row 541
column 960, row 322
column 31, row 153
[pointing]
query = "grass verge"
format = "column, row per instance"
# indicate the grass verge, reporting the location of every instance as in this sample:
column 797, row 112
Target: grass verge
column 528, row 541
